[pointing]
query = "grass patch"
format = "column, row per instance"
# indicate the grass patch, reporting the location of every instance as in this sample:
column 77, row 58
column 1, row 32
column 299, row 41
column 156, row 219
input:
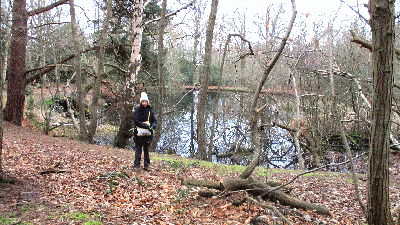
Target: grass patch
column 313, row 174
column 82, row 218
column 7, row 220
column 184, row 164
column 76, row 216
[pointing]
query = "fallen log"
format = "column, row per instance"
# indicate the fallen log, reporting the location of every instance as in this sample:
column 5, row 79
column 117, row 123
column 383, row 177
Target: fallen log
column 52, row 171
column 207, row 194
column 225, row 155
column 203, row 183
column 262, row 189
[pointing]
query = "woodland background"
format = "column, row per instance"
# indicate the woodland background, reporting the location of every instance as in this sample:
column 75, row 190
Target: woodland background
column 318, row 84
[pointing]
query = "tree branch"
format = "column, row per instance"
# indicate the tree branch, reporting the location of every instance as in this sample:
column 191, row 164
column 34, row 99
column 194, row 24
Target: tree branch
column 309, row 171
column 46, row 8
column 48, row 68
column 248, row 42
column 365, row 43
column 270, row 207
column 170, row 14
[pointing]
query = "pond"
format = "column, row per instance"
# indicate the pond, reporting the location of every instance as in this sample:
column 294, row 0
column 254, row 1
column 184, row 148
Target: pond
column 232, row 130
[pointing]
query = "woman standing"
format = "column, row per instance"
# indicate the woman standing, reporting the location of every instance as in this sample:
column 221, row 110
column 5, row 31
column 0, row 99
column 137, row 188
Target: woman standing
column 144, row 118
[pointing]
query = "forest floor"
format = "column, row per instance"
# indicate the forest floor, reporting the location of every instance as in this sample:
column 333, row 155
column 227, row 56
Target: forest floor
column 64, row 181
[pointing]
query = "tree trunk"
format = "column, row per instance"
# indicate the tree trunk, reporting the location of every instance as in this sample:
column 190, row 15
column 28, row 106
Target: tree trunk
column 382, row 26
column 254, row 114
column 101, row 74
column 296, row 135
column 201, row 120
column 82, row 135
column 14, row 109
column 46, row 111
column 160, row 108
column 121, row 140
column 2, row 59
column 195, row 73
column 216, row 100
column 16, row 83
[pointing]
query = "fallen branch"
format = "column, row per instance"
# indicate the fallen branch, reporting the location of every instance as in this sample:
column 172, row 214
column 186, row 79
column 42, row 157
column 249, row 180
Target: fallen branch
column 311, row 171
column 52, row 171
column 254, row 186
column 270, row 207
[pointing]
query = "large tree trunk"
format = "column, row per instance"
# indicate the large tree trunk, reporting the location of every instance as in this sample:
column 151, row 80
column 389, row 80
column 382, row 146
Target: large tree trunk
column 160, row 108
column 2, row 59
column 130, row 95
column 14, row 110
column 101, row 74
column 16, row 83
column 383, row 34
column 201, row 120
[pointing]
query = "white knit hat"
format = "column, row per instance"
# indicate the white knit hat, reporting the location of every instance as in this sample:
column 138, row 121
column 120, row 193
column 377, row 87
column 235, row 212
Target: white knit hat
column 143, row 96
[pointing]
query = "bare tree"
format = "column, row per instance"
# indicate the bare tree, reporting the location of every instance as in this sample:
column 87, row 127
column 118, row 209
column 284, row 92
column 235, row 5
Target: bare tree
column 254, row 111
column 296, row 135
column 201, row 135
column 216, row 99
column 383, row 39
column 82, row 132
column 195, row 72
column 101, row 74
column 160, row 107
column 338, row 122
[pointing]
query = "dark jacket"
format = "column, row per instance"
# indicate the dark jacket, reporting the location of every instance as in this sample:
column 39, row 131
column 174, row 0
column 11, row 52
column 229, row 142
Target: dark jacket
column 141, row 115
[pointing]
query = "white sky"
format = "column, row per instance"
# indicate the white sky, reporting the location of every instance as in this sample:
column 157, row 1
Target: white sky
column 317, row 10
column 321, row 11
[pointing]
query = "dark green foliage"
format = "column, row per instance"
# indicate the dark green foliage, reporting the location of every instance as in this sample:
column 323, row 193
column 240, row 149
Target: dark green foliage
column 187, row 69
column 149, row 61
column 214, row 76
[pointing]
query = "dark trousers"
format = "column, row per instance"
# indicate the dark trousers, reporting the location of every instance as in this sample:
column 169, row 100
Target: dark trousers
column 138, row 154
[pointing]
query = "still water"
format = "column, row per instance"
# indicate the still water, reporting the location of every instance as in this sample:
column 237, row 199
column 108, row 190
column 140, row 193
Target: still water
column 232, row 129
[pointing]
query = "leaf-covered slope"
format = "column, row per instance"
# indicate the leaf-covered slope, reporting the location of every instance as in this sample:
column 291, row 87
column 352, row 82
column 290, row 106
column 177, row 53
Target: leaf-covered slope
column 95, row 184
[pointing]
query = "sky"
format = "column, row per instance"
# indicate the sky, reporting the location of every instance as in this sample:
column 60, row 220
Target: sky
column 315, row 8
column 310, row 11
